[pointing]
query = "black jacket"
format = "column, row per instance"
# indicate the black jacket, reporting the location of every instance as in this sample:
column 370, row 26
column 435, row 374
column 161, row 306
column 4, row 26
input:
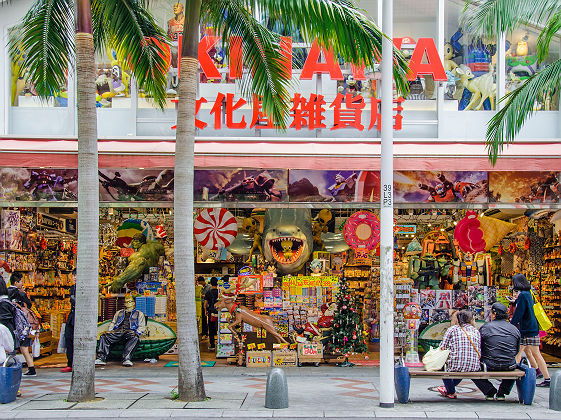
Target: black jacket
column 8, row 315
column 500, row 342
column 19, row 297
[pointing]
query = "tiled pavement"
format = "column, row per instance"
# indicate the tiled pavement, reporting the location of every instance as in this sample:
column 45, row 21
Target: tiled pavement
column 239, row 393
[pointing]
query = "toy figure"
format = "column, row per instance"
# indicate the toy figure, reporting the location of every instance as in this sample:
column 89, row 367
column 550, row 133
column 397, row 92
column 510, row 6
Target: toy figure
column 147, row 254
column 446, row 191
column 127, row 326
column 251, row 226
column 319, row 226
column 175, row 24
column 262, row 185
column 481, row 88
column 317, row 267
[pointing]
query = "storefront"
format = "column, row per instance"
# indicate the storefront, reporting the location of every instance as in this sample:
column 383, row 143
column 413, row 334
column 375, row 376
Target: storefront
column 257, row 173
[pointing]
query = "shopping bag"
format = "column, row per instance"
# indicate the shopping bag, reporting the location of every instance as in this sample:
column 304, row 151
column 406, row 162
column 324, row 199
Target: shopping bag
column 36, row 347
column 435, row 359
column 543, row 321
column 61, row 341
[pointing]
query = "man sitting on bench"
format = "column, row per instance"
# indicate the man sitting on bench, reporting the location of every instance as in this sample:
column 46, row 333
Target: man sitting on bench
column 500, row 342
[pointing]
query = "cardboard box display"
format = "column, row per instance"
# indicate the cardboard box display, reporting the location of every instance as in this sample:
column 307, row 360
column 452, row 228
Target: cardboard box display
column 310, row 351
column 284, row 358
column 258, row 359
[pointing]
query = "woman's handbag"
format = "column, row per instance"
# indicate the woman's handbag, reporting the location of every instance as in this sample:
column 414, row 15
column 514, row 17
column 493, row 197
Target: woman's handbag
column 543, row 321
column 435, row 359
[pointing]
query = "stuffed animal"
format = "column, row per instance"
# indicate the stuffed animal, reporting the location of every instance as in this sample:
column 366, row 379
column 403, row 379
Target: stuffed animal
column 481, row 87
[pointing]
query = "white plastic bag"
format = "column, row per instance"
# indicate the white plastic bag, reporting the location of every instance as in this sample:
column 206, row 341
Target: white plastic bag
column 61, row 341
column 36, row 347
column 435, row 359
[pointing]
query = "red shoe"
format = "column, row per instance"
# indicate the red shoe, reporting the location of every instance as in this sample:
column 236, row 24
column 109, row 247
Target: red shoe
column 444, row 393
column 66, row 369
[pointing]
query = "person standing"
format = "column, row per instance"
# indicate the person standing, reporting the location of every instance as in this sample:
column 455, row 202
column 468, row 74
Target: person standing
column 69, row 328
column 16, row 293
column 7, row 312
column 204, row 317
column 464, row 342
column 210, row 299
column 500, row 343
column 525, row 320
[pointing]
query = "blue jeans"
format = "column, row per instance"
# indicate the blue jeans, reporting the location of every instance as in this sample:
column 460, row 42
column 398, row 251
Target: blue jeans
column 450, row 385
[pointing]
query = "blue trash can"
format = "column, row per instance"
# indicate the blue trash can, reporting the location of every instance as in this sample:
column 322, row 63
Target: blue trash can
column 10, row 379
column 402, row 383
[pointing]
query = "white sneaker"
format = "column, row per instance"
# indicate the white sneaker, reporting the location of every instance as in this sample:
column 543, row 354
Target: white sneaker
column 100, row 362
column 127, row 363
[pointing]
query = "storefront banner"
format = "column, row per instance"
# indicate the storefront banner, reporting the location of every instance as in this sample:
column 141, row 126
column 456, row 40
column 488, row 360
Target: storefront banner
column 341, row 186
column 525, row 187
column 18, row 184
column 440, row 187
column 136, row 184
column 241, row 185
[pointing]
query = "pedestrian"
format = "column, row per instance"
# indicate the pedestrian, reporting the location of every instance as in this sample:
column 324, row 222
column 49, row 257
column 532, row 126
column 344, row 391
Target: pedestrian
column 210, row 300
column 204, row 289
column 6, row 343
column 7, row 312
column 500, row 343
column 464, row 342
column 69, row 328
column 16, row 293
column 525, row 320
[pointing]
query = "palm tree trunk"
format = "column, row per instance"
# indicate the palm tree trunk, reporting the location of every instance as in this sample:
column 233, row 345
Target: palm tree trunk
column 82, row 387
column 190, row 374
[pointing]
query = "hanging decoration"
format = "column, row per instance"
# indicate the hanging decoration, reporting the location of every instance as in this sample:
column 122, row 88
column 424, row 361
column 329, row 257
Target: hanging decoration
column 131, row 227
column 477, row 234
column 215, row 228
column 362, row 230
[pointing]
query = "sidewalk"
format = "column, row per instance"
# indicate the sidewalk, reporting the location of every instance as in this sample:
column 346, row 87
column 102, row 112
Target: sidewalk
column 237, row 393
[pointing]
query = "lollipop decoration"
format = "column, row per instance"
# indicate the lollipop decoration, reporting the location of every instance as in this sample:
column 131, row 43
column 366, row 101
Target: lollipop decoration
column 215, row 228
column 362, row 230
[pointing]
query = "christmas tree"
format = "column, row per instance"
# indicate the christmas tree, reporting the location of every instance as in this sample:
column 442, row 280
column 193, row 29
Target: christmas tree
column 347, row 336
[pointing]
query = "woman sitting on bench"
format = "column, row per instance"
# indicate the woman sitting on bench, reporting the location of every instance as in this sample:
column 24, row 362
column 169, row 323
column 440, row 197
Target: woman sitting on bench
column 464, row 342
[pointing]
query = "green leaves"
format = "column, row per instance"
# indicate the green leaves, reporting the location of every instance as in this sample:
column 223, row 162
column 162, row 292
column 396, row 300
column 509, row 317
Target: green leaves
column 507, row 123
column 45, row 41
column 45, row 37
column 261, row 51
column 130, row 29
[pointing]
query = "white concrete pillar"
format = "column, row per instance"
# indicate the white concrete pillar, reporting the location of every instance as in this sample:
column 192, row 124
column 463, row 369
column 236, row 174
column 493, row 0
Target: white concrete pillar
column 386, row 215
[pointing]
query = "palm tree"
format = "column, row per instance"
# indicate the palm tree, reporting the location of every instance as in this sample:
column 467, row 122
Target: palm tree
column 55, row 34
column 335, row 23
column 490, row 17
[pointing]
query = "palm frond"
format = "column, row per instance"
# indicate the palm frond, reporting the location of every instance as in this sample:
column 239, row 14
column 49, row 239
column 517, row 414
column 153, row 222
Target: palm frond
column 262, row 54
column 129, row 28
column 338, row 24
column 45, row 39
column 508, row 122
column 550, row 30
column 487, row 17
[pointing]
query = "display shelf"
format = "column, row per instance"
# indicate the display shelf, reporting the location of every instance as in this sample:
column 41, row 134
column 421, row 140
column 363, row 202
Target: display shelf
column 15, row 251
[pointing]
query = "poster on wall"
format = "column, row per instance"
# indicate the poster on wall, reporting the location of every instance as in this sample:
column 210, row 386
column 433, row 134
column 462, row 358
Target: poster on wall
column 440, row 187
column 19, row 184
column 240, row 185
column 327, row 186
column 525, row 187
column 136, row 184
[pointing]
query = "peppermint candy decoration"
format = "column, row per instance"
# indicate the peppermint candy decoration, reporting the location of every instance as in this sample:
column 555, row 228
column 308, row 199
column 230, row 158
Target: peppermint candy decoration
column 215, row 228
column 161, row 232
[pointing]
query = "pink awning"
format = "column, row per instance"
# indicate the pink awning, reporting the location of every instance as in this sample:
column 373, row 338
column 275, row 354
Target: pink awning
column 409, row 154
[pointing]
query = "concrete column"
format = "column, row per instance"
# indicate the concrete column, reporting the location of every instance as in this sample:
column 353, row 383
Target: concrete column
column 501, row 68
column 386, row 215
column 440, row 46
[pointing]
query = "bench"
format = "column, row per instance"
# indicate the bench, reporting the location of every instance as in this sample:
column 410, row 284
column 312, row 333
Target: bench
column 525, row 380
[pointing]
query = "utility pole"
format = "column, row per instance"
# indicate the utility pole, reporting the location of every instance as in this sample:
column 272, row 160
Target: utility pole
column 386, row 215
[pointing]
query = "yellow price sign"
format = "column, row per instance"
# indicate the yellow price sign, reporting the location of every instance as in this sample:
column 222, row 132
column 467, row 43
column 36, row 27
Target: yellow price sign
column 260, row 346
column 251, row 346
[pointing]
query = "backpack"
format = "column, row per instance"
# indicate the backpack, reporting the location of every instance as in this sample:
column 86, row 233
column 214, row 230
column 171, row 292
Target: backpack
column 22, row 324
column 34, row 322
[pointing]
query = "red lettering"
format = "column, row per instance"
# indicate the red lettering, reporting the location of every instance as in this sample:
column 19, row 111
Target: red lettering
column 230, row 108
column 236, row 57
column 307, row 113
column 313, row 65
column 207, row 65
column 358, row 72
column 351, row 115
column 260, row 119
column 198, row 123
column 434, row 64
